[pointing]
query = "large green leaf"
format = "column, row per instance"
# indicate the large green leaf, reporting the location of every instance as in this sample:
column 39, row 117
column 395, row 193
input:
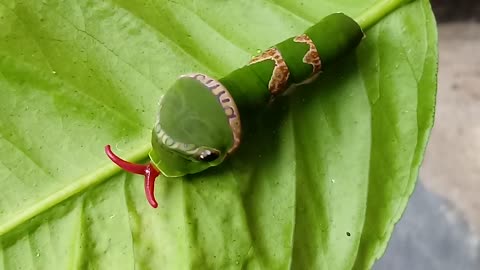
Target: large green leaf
column 318, row 184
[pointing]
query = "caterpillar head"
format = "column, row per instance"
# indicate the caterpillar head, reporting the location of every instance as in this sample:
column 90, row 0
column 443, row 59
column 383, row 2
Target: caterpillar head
column 197, row 126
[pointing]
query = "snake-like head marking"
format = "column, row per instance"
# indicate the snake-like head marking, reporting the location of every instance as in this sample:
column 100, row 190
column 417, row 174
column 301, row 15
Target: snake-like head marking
column 197, row 126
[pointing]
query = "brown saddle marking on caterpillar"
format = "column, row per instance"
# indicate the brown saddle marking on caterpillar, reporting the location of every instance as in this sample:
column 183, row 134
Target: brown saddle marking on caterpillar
column 311, row 57
column 279, row 79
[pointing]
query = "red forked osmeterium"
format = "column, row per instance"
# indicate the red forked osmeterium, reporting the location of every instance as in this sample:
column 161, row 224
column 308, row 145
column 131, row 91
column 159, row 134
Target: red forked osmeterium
column 149, row 171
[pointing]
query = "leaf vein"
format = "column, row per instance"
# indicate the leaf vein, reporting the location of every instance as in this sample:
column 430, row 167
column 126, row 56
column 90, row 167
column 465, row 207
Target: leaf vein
column 98, row 176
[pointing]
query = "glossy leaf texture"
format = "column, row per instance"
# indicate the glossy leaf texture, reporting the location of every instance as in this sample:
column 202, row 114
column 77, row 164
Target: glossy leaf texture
column 319, row 182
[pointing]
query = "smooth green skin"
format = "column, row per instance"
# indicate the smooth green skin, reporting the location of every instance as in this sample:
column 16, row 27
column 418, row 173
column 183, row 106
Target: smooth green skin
column 341, row 154
column 189, row 115
column 334, row 36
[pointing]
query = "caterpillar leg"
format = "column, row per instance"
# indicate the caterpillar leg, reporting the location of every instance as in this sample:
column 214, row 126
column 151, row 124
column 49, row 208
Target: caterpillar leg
column 149, row 171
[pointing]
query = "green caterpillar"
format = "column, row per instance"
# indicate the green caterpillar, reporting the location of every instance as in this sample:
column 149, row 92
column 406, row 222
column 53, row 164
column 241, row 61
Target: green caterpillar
column 198, row 123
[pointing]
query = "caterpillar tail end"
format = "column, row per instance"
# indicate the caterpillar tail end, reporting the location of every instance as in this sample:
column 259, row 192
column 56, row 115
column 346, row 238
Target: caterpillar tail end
column 149, row 171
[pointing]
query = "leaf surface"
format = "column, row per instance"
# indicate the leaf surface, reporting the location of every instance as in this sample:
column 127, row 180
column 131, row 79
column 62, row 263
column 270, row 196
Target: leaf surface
column 318, row 183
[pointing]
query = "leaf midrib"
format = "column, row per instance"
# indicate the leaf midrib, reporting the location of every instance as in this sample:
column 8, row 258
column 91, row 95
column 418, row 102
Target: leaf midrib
column 94, row 178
